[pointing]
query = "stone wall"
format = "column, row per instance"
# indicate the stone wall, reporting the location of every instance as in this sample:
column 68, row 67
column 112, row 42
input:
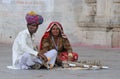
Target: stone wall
column 91, row 22
column 99, row 22
column 12, row 16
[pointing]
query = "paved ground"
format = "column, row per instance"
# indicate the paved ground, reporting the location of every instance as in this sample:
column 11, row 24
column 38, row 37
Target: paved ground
column 110, row 57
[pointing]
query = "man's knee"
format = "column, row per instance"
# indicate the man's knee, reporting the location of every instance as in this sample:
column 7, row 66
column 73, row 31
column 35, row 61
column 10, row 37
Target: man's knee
column 26, row 55
column 54, row 51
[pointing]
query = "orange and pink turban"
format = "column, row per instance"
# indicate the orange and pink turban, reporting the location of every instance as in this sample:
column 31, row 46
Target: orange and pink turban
column 32, row 17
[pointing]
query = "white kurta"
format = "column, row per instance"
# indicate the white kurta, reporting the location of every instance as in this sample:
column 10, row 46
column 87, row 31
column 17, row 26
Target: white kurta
column 23, row 43
column 24, row 54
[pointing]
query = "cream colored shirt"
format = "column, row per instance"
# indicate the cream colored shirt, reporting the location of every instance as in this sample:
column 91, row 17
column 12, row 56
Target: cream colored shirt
column 23, row 44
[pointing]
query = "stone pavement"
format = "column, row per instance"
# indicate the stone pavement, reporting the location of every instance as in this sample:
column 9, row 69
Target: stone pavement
column 109, row 57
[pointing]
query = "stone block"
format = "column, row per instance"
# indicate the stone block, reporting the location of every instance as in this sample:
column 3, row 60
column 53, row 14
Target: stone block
column 116, row 1
column 90, row 1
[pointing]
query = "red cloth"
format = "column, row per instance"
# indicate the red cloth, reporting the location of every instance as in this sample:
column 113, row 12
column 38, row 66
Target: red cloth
column 63, row 56
column 47, row 32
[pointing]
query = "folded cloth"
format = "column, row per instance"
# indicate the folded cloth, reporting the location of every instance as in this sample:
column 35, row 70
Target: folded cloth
column 12, row 67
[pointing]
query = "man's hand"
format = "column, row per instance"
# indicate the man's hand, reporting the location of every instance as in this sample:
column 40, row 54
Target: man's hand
column 42, row 56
